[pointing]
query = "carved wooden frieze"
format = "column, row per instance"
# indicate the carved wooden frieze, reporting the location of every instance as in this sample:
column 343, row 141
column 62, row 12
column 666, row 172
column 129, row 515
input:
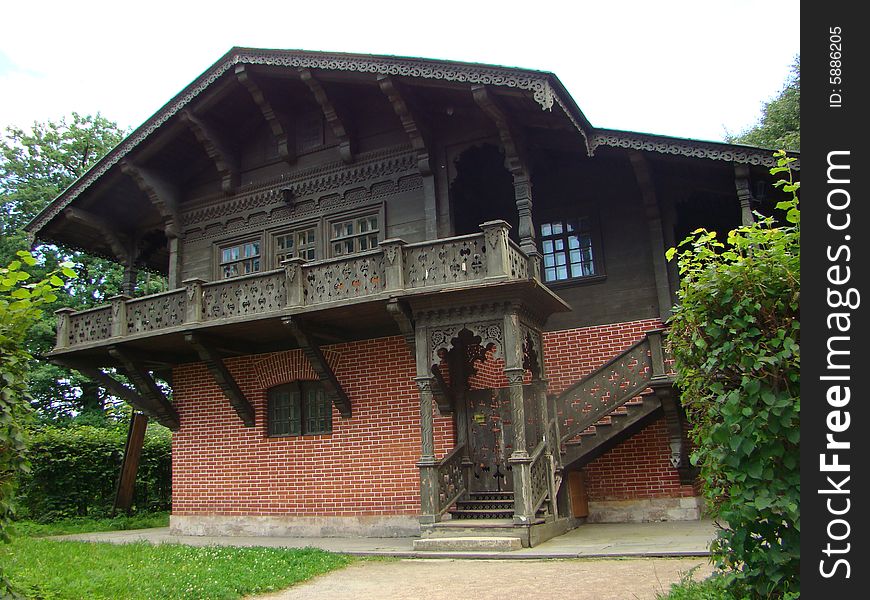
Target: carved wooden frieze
column 316, row 191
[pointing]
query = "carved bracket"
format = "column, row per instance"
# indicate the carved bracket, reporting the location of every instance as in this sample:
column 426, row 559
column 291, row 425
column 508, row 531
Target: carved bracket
column 222, row 376
column 318, row 362
column 277, row 126
column 161, row 193
column 413, row 126
column 675, row 418
column 338, row 123
column 123, row 249
column 510, row 139
column 217, row 148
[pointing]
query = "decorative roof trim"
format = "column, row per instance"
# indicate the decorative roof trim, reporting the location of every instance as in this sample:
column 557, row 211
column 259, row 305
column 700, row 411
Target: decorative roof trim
column 537, row 82
column 686, row 147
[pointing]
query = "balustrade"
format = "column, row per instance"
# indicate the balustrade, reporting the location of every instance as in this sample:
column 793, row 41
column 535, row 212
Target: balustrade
column 394, row 268
column 451, row 481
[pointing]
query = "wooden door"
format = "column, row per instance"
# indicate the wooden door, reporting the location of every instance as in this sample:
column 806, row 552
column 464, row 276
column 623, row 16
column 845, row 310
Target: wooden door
column 491, row 440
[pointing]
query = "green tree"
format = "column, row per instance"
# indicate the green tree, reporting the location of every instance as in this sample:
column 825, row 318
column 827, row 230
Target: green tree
column 21, row 304
column 35, row 166
column 780, row 123
column 735, row 336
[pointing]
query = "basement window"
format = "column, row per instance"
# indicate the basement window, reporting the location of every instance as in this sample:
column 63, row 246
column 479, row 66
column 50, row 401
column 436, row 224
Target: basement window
column 298, row 408
column 568, row 247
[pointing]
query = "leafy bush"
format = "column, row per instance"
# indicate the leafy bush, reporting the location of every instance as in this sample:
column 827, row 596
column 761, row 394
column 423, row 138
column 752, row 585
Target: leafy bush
column 74, row 471
column 712, row 588
column 735, row 336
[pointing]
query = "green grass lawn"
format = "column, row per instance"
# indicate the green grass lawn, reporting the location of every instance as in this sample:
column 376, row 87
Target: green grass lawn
column 44, row 569
column 87, row 525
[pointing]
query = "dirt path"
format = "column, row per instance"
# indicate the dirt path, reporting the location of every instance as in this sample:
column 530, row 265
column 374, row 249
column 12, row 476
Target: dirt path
column 431, row 579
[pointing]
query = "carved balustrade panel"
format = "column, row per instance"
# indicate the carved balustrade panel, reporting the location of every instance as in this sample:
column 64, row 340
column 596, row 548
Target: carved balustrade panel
column 540, row 476
column 605, row 389
column 450, row 261
column 519, row 262
column 90, row 325
column 451, row 483
column 156, row 312
column 245, row 296
column 354, row 277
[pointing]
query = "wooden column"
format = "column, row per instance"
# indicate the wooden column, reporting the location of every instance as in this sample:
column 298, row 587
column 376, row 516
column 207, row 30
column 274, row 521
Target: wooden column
column 427, row 464
column 193, row 306
column 495, row 236
column 519, row 460
column 394, row 264
column 174, row 263
column 744, row 194
column 119, row 315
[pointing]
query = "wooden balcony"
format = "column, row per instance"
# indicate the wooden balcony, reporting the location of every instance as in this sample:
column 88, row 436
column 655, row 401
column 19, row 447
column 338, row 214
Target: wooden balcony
column 346, row 295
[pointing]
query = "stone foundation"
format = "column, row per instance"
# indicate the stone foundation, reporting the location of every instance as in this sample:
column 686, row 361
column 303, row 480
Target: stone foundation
column 645, row 510
column 365, row 526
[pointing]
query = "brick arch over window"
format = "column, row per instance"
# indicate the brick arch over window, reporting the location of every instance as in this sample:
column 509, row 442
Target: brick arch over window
column 291, row 365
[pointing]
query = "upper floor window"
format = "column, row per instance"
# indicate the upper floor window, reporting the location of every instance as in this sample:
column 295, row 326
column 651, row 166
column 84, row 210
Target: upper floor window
column 568, row 250
column 240, row 259
column 354, row 235
column 296, row 244
column 298, row 408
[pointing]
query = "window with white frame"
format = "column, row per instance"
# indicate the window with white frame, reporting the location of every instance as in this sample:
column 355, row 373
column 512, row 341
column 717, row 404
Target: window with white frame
column 567, row 247
column 240, row 259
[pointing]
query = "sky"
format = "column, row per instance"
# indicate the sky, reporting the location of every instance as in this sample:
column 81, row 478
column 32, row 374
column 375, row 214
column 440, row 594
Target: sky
column 698, row 69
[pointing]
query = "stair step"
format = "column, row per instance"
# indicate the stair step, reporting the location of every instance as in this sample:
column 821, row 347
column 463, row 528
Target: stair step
column 482, row 513
column 472, row 504
column 492, row 495
column 468, row 544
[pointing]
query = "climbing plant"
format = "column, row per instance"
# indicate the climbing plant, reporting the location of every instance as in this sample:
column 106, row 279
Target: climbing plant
column 735, row 335
column 21, row 303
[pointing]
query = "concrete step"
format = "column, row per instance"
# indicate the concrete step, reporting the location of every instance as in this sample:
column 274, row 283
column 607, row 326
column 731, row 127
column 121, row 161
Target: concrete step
column 468, row 544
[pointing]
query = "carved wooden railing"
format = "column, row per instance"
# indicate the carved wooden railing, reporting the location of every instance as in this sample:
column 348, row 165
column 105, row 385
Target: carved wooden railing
column 244, row 296
column 393, row 269
column 541, row 470
column 451, row 481
column 344, row 278
column 616, row 382
column 155, row 312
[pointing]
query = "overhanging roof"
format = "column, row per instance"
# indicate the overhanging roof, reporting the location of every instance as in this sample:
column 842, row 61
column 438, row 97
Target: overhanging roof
column 545, row 88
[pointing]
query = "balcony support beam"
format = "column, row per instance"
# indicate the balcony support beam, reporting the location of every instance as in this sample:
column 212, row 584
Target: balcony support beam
column 156, row 406
column 314, row 354
column 222, row 376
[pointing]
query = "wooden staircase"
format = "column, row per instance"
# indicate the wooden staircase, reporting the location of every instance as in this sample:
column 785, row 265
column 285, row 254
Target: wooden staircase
column 601, row 410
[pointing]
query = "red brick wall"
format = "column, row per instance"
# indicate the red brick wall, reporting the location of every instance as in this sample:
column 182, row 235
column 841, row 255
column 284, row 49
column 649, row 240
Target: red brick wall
column 637, row 468
column 640, row 466
column 366, row 467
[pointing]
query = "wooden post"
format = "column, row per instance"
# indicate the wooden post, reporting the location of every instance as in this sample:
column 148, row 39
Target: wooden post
column 657, row 356
column 130, row 464
column 193, row 311
column 394, row 263
column 119, row 315
column 495, row 236
column 63, row 327
column 293, row 272
column 744, row 194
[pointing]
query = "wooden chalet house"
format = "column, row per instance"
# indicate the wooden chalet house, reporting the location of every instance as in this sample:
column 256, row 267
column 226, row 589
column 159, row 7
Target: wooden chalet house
column 404, row 295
